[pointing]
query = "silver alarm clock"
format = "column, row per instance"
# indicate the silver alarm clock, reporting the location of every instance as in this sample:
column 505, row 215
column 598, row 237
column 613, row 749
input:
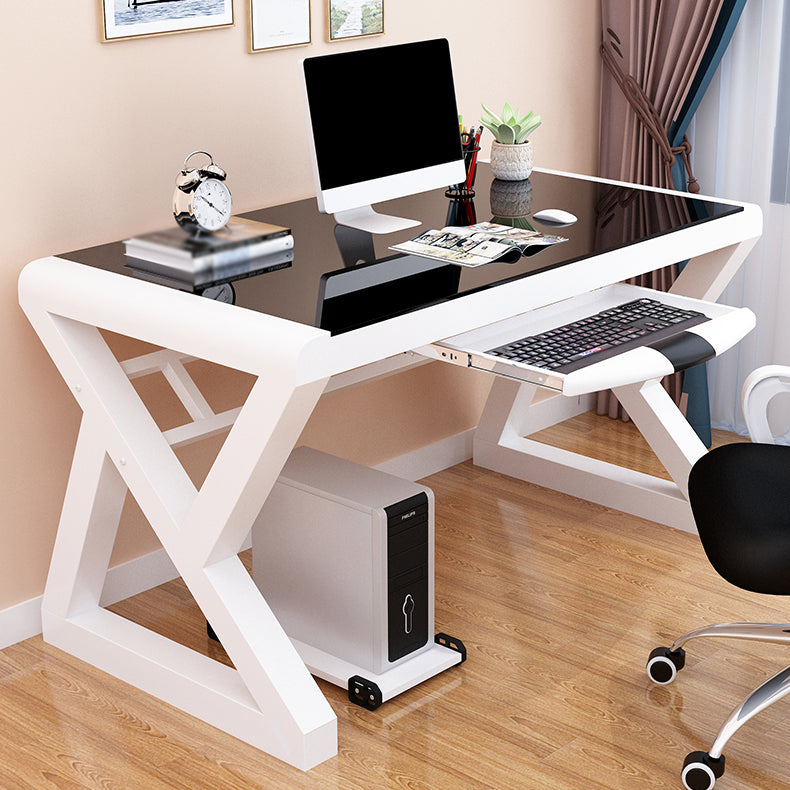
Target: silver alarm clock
column 202, row 200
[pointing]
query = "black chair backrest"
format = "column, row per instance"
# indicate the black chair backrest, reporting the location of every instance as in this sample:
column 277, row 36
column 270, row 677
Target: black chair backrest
column 740, row 497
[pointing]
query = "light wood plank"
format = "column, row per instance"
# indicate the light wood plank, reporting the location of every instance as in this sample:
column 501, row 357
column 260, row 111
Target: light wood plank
column 559, row 603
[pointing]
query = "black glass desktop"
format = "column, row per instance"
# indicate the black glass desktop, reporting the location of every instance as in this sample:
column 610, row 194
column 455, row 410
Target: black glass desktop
column 307, row 291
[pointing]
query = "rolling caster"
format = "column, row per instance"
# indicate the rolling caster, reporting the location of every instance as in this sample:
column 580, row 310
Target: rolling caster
column 700, row 771
column 364, row 693
column 664, row 664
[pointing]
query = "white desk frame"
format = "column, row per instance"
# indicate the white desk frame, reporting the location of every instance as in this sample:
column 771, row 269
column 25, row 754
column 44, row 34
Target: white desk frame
column 502, row 442
column 270, row 700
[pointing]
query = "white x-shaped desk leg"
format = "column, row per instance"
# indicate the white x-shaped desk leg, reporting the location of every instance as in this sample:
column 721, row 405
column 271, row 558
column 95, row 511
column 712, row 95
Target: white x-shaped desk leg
column 502, row 443
column 269, row 700
column 502, row 440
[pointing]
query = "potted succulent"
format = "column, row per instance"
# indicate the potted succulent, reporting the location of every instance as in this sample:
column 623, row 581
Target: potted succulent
column 511, row 150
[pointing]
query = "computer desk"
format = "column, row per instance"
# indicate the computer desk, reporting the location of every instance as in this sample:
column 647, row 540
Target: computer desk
column 270, row 700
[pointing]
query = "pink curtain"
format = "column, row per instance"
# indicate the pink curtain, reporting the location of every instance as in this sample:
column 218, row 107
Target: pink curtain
column 651, row 50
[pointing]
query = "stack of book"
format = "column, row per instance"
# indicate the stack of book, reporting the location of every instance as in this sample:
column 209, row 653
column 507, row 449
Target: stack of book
column 242, row 248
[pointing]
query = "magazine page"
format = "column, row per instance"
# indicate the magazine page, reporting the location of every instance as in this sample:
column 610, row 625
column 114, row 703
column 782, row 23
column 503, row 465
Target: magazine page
column 476, row 245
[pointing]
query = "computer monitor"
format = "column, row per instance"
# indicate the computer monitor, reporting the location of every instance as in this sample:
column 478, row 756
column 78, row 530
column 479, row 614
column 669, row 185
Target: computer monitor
column 383, row 124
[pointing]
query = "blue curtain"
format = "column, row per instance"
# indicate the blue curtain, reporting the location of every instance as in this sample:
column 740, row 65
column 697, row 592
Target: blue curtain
column 695, row 381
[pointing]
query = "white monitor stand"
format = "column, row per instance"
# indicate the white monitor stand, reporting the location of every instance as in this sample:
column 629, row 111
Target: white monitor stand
column 366, row 218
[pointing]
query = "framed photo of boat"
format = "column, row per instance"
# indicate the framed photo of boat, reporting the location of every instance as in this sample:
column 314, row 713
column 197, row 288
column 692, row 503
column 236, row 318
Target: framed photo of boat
column 122, row 19
column 354, row 18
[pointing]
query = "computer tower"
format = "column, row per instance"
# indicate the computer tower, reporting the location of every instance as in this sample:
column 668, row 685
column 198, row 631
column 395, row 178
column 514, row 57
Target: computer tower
column 344, row 555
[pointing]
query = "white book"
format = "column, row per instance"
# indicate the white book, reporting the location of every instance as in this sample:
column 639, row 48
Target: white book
column 241, row 240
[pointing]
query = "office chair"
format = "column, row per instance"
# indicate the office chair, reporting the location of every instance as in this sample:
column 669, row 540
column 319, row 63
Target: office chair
column 740, row 498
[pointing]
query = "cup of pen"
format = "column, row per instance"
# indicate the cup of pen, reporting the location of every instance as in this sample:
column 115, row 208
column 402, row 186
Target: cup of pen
column 470, row 143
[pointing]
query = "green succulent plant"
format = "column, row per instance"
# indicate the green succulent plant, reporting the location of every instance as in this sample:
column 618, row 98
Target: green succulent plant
column 511, row 128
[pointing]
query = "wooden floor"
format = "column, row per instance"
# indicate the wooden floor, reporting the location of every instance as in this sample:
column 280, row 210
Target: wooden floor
column 559, row 603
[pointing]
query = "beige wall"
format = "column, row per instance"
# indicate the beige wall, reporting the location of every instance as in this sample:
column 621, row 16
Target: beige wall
column 92, row 135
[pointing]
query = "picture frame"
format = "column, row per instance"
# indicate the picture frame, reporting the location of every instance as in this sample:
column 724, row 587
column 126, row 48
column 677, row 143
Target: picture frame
column 277, row 24
column 125, row 19
column 354, row 18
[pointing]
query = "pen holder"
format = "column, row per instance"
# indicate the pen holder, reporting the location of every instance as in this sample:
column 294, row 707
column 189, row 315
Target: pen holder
column 464, row 189
column 459, row 192
column 470, row 160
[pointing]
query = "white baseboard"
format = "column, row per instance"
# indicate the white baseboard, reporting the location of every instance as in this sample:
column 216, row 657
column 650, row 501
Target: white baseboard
column 141, row 573
column 20, row 622
column 431, row 459
column 23, row 620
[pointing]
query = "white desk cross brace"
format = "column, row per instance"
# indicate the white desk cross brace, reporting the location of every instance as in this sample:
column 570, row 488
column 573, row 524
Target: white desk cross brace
column 269, row 700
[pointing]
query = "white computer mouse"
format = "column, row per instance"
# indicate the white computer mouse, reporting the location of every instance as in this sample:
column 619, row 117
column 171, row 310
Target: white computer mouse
column 554, row 216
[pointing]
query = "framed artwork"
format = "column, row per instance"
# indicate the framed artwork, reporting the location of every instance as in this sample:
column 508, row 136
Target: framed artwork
column 279, row 23
column 354, row 18
column 131, row 18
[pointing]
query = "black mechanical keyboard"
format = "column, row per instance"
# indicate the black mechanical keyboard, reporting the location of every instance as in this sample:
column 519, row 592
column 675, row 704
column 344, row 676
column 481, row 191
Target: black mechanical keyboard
column 599, row 336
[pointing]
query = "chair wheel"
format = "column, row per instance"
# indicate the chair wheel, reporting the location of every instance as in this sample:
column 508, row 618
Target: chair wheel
column 664, row 664
column 700, row 771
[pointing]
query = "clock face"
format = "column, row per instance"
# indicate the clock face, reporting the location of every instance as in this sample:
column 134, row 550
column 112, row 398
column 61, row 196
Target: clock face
column 211, row 204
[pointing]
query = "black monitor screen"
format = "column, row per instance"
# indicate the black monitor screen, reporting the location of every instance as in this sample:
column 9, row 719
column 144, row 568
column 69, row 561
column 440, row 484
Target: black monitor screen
column 378, row 112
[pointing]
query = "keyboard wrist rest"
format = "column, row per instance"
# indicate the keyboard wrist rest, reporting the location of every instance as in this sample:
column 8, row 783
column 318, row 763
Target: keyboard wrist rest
column 726, row 330
column 684, row 350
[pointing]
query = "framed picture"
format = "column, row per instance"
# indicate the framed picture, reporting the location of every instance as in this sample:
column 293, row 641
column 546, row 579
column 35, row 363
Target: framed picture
column 131, row 18
column 353, row 18
column 279, row 23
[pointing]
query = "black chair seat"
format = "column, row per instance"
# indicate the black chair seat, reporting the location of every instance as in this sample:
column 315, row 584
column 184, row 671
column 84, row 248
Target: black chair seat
column 740, row 497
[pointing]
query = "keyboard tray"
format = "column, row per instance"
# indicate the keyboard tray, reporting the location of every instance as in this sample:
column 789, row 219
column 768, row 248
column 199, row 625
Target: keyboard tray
column 725, row 327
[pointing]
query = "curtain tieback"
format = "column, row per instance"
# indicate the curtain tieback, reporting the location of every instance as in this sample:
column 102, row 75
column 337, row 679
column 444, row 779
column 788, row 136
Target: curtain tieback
column 684, row 150
column 648, row 115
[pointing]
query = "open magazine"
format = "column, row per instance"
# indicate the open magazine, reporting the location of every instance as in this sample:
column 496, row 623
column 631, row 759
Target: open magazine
column 476, row 245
